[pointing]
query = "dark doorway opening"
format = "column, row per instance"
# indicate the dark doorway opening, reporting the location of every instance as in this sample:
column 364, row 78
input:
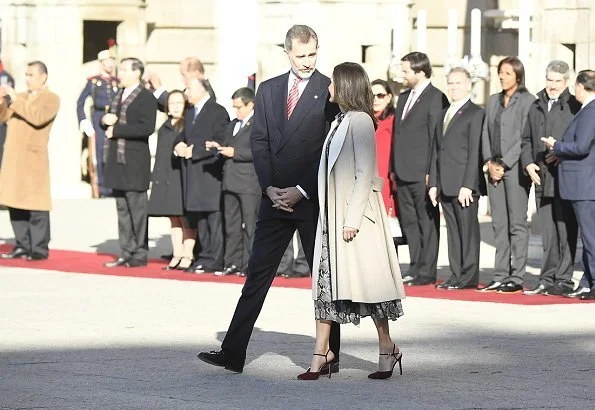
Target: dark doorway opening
column 95, row 36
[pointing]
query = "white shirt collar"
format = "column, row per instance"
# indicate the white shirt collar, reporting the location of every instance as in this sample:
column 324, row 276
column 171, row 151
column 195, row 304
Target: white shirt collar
column 199, row 105
column 421, row 86
column 456, row 106
column 588, row 100
column 245, row 120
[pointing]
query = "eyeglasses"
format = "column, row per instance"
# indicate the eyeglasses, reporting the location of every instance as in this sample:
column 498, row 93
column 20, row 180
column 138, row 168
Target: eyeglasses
column 380, row 96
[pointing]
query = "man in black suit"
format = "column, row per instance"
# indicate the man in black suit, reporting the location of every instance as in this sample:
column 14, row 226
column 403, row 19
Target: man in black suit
column 416, row 115
column 456, row 179
column 291, row 119
column 241, row 192
column 204, row 121
column 130, row 122
column 550, row 115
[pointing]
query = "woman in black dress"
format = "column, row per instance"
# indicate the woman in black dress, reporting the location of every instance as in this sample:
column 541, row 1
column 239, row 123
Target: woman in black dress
column 166, row 190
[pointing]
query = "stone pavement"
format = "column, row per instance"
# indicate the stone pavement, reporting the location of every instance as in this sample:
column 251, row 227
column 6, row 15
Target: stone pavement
column 76, row 341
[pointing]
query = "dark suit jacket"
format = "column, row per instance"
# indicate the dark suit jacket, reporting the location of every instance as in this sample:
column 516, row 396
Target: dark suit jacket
column 456, row 159
column 239, row 175
column 413, row 136
column 140, row 124
column 541, row 123
column 201, row 174
column 286, row 153
column 577, row 152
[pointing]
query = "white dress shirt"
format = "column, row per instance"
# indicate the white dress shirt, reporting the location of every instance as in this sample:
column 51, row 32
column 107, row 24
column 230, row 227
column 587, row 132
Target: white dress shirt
column 128, row 91
column 240, row 124
column 455, row 107
column 588, row 100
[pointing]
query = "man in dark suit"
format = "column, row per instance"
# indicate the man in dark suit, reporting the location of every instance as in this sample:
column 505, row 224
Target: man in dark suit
column 241, row 192
column 550, row 115
column 204, row 121
column 130, row 122
column 418, row 110
column 576, row 151
column 456, row 179
column 291, row 119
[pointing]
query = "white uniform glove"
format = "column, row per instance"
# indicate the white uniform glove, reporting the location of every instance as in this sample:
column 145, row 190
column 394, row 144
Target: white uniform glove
column 87, row 127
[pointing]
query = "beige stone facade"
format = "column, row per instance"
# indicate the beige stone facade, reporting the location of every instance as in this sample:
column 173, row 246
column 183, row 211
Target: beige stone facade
column 235, row 38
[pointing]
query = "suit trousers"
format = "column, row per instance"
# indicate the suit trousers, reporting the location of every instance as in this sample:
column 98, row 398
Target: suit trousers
column 508, row 204
column 462, row 229
column 31, row 230
column 271, row 238
column 585, row 215
column 420, row 221
column 209, row 226
column 559, row 232
column 132, row 224
column 240, row 212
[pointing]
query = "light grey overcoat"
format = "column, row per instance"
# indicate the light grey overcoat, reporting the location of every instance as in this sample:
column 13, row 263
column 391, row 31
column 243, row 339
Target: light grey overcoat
column 365, row 269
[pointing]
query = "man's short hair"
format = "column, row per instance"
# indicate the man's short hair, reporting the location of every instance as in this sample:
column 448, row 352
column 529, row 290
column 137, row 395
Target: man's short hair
column 461, row 70
column 136, row 64
column 245, row 94
column 193, row 64
column 558, row 66
column 419, row 62
column 301, row 33
column 41, row 67
column 586, row 78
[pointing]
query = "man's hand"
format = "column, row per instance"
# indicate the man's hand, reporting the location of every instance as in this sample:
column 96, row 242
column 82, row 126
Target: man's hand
column 87, row 127
column 495, row 172
column 549, row 142
column 551, row 159
column 154, row 80
column 274, row 194
column 180, row 149
column 7, row 90
column 109, row 132
column 433, row 194
column 290, row 196
column 533, row 172
column 211, row 144
column 109, row 119
column 188, row 151
column 465, row 197
column 227, row 151
column 349, row 233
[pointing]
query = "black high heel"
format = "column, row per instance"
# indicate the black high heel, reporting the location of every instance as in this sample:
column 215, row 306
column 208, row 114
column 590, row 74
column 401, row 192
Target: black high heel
column 175, row 266
column 387, row 374
column 315, row 375
column 179, row 265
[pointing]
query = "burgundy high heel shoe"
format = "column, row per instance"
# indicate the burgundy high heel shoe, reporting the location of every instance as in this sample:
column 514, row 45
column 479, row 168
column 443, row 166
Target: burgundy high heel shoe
column 315, row 375
column 385, row 375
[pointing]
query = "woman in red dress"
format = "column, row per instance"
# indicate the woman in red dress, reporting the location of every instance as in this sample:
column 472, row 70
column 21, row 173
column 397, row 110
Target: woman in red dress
column 384, row 110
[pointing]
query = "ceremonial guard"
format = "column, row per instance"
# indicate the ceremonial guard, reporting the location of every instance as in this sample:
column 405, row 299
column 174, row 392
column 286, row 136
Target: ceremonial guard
column 101, row 88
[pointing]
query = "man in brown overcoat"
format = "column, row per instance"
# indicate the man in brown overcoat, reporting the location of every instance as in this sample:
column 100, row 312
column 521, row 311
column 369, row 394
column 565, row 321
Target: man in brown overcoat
column 25, row 174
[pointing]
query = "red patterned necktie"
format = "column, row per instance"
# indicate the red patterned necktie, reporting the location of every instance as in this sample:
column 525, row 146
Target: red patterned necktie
column 294, row 96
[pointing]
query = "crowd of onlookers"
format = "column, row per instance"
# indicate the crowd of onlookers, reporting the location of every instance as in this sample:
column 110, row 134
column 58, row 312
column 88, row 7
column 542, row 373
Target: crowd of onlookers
column 435, row 153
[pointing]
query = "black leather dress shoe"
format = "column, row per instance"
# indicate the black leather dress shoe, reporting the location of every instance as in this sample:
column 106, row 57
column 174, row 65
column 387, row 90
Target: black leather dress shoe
column 491, row 287
column 460, row 286
column 195, row 269
column 510, row 287
column 588, row 296
column 115, row 263
column 449, row 282
column 539, row 290
column 577, row 293
column 558, row 290
column 37, row 257
column 135, row 263
column 219, row 358
column 421, row 281
column 230, row 270
column 408, row 278
column 16, row 253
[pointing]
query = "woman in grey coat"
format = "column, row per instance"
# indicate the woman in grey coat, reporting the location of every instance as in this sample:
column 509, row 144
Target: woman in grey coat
column 508, row 185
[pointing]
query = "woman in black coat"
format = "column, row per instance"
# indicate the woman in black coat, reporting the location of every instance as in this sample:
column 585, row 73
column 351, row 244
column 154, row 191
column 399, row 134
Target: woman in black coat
column 166, row 190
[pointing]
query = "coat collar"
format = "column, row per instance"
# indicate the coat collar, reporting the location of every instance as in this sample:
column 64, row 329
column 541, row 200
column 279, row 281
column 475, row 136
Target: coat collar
column 455, row 117
column 336, row 144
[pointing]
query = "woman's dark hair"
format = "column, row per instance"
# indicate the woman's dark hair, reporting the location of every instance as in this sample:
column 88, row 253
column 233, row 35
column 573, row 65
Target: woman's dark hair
column 519, row 71
column 390, row 108
column 353, row 91
column 179, row 125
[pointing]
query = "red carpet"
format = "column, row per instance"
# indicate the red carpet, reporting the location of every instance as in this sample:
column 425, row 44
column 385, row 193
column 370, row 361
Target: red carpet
column 92, row 263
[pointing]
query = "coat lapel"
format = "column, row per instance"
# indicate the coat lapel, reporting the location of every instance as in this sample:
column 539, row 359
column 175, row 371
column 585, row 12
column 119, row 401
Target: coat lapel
column 455, row 118
column 279, row 100
column 423, row 94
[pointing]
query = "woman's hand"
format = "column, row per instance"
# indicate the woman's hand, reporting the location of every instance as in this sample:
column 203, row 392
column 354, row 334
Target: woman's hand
column 349, row 233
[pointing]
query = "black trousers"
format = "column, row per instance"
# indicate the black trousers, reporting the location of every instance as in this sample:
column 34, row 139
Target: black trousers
column 559, row 233
column 209, row 227
column 240, row 212
column 462, row 229
column 31, row 230
column 132, row 224
column 270, row 242
column 420, row 221
column 585, row 215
